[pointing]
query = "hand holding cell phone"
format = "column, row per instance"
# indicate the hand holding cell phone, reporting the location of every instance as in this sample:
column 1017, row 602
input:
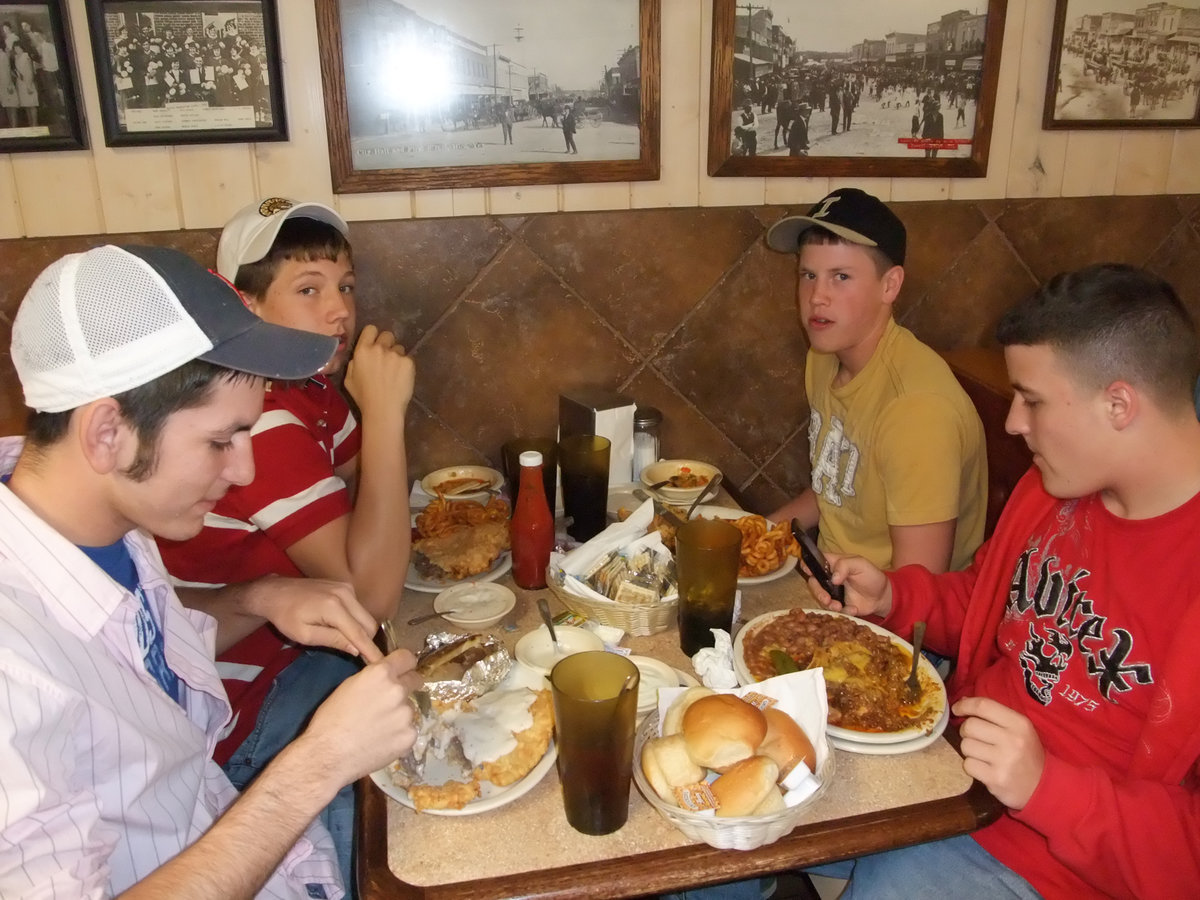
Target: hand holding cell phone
column 814, row 560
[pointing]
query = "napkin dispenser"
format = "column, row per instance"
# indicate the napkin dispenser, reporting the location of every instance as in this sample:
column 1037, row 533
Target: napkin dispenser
column 608, row 414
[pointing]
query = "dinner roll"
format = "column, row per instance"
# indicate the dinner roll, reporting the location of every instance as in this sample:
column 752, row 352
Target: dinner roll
column 666, row 765
column 673, row 720
column 721, row 730
column 773, row 803
column 786, row 743
column 746, row 786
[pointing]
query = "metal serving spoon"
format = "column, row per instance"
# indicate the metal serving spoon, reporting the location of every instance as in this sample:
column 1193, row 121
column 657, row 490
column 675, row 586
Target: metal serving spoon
column 417, row 620
column 710, row 488
column 544, row 609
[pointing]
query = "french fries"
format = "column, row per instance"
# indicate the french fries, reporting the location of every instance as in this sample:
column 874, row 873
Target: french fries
column 442, row 517
column 764, row 546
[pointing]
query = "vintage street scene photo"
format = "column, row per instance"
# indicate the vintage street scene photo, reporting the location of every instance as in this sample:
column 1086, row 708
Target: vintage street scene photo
column 32, row 95
column 857, row 78
column 456, row 83
column 1128, row 60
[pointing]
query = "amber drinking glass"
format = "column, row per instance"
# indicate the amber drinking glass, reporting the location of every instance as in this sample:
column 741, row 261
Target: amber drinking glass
column 583, row 459
column 595, row 708
column 707, row 555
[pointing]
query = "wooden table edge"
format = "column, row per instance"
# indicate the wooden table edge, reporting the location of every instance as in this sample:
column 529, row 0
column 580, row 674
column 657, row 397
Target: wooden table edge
column 667, row 870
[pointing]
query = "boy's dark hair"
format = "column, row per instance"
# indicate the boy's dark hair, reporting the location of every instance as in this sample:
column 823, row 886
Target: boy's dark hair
column 146, row 408
column 1113, row 322
column 299, row 238
column 818, row 235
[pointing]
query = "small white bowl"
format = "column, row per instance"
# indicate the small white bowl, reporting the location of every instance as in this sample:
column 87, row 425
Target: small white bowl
column 652, row 675
column 480, row 604
column 668, row 468
column 490, row 480
column 537, row 651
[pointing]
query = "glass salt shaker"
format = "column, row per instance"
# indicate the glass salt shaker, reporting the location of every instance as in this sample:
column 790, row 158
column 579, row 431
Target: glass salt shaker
column 646, row 422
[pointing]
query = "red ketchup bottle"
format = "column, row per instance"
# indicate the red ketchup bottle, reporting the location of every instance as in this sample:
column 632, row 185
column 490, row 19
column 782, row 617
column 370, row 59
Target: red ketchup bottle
column 531, row 529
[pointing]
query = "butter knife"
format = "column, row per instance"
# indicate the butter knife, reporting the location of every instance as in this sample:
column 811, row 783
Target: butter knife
column 660, row 508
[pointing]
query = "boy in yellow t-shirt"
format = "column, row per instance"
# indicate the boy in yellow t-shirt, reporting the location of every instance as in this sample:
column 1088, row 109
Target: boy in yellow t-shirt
column 899, row 471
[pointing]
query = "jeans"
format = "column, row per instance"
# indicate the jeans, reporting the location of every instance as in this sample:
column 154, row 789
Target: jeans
column 951, row 868
column 296, row 692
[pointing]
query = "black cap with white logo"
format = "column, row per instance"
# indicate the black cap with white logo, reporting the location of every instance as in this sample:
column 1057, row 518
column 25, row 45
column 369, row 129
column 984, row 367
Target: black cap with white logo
column 851, row 214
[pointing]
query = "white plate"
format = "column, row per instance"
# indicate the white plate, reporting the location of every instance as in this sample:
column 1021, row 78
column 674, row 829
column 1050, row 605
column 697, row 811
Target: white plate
column 619, row 496
column 490, row 797
column 918, row 743
column 725, row 512
column 479, row 603
column 537, row 651
column 848, row 735
column 495, row 481
column 415, row 581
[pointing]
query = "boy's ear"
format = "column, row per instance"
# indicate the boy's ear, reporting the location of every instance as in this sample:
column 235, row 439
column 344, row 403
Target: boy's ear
column 102, row 432
column 1121, row 404
column 893, row 280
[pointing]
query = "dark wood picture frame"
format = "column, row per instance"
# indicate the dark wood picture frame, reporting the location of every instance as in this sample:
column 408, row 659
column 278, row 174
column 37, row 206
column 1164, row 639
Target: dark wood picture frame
column 227, row 86
column 1129, row 76
column 643, row 98
column 35, row 37
column 724, row 160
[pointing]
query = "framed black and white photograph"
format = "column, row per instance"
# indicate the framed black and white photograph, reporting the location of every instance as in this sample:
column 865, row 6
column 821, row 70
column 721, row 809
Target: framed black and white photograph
column 1124, row 64
column 187, row 71
column 456, row 93
column 39, row 94
column 854, row 88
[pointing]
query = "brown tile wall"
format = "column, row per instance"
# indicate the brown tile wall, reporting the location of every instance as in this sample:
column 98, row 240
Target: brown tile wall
column 683, row 309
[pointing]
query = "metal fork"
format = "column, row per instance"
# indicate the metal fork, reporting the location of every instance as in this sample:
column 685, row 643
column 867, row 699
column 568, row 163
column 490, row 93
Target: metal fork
column 913, row 682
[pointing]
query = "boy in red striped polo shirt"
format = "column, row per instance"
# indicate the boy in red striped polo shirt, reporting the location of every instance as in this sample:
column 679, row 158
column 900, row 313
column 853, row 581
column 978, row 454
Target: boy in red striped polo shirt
column 329, row 501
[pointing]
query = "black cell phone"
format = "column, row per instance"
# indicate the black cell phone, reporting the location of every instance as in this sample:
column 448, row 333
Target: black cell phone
column 815, row 562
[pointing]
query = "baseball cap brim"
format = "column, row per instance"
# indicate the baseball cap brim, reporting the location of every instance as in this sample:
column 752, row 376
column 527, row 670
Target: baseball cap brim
column 784, row 235
column 273, row 351
column 249, row 235
column 240, row 339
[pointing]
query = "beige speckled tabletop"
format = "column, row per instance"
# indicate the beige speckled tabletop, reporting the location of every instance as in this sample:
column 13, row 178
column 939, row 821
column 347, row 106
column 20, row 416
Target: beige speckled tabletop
column 532, row 833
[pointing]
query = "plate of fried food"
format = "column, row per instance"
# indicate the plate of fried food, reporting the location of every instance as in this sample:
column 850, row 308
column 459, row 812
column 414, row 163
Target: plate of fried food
column 455, row 541
column 866, row 669
column 478, row 754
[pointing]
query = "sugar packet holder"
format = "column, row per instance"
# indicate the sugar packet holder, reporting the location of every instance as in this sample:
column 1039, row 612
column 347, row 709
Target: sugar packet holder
column 575, row 565
column 799, row 694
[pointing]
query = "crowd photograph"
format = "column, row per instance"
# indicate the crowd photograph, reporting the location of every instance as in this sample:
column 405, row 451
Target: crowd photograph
column 809, row 84
column 206, row 56
column 31, row 88
column 1124, row 60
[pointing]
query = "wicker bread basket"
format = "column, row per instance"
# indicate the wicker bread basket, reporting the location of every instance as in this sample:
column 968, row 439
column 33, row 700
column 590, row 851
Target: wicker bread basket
column 733, row 832
column 635, row 620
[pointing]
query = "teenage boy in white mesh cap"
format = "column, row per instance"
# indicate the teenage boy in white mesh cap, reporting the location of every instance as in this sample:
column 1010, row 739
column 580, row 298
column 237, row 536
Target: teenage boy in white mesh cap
column 145, row 373
column 330, row 499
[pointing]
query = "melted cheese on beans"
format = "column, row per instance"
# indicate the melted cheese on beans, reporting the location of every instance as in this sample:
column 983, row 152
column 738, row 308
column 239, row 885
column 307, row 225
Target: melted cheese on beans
column 865, row 673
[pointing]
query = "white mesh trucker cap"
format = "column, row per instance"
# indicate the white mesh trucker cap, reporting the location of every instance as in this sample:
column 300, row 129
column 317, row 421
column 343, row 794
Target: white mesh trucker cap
column 99, row 323
column 248, row 236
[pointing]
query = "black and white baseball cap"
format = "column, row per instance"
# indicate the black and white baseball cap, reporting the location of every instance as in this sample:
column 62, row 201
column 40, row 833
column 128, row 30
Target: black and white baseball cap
column 851, row 214
column 100, row 323
column 249, row 235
